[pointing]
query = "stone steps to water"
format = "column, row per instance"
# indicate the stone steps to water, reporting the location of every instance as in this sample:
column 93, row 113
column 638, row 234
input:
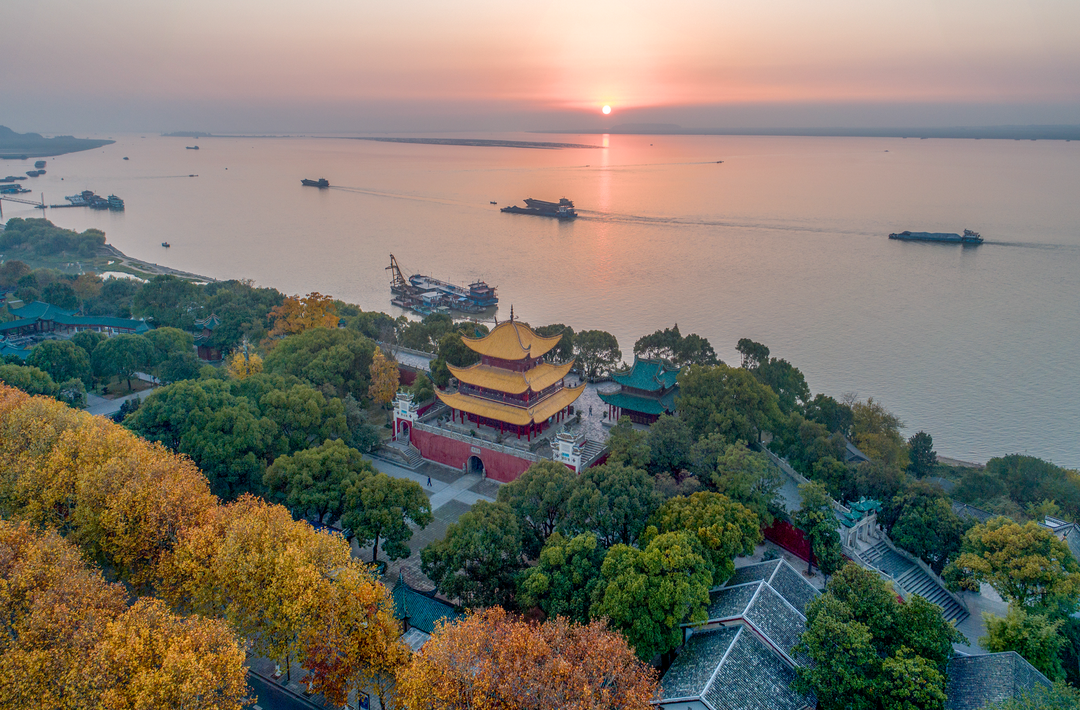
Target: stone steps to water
column 913, row 580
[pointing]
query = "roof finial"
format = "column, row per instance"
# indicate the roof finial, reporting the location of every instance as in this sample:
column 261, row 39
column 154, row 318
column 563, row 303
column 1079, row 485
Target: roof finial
column 511, row 312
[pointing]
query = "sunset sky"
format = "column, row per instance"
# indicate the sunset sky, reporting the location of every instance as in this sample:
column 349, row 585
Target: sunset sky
column 348, row 65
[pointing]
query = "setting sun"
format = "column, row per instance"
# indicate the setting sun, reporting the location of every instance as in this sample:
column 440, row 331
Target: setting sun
column 607, row 109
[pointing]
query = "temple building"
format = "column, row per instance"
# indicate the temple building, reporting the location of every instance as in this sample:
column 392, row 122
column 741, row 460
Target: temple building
column 509, row 411
column 647, row 390
column 512, row 388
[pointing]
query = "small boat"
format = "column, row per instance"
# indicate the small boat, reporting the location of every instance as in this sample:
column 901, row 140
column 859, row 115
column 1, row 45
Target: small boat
column 125, row 157
column 34, row 173
column 192, row 147
column 165, row 244
column 494, row 202
column 116, row 204
column 321, row 182
column 39, row 164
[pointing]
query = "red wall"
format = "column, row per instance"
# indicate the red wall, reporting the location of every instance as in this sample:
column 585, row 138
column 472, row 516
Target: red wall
column 406, row 375
column 790, row 538
column 451, row 452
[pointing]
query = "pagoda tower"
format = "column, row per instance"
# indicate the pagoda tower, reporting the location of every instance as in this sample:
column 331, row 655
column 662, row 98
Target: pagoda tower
column 513, row 388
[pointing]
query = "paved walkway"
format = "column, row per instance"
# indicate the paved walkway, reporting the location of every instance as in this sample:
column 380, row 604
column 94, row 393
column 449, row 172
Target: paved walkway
column 109, row 407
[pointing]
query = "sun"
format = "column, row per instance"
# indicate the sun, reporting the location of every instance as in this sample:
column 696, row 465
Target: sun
column 606, row 110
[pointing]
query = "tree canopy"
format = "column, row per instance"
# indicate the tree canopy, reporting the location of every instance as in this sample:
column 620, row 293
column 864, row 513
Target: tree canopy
column 380, row 510
column 726, row 400
column 323, row 356
column 597, row 352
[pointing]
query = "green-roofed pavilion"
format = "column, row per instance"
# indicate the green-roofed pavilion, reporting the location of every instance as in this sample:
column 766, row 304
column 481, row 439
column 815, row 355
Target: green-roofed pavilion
column 647, row 389
column 420, row 611
column 40, row 317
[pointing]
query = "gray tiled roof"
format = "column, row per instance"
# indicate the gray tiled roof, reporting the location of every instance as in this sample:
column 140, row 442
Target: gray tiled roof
column 760, row 572
column 776, row 619
column 975, row 681
column 730, row 602
column 696, row 663
column 964, row 510
column 752, row 677
column 793, row 587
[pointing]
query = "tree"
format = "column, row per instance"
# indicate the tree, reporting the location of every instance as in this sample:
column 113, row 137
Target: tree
column 613, row 502
column 168, row 342
column 724, row 528
column 876, row 432
column 303, row 415
column 925, row 525
column 166, row 300
column 493, row 660
column 786, row 380
column 539, row 498
column 564, row 579
column 909, row 682
column 318, row 481
column 28, row 379
column 922, row 454
column 73, row 393
column 564, row 351
column 845, row 662
column 11, row 271
column 669, row 442
column 181, row 366
column 381, row 509
column 321, row 356
column 647, row 594
column 61, row 295
column 670, row 345
column 745, row 476
column 298, row 314
column 1033, row 636
column 833, row 415
column 88, row 340
column 122, row 356
column 1025, row 564
column 384, row 379
column 726, row 400
column 753, row 354
column 453, row 350
column 479, row 558
column 808, row 446
column 818, row 522
column 1060, row 697
column 628, row 446
column 597, row 352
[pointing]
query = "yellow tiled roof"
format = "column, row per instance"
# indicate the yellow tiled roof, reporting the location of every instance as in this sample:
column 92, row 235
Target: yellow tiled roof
column 511, row 340
column 510, row 414
column 497, row 378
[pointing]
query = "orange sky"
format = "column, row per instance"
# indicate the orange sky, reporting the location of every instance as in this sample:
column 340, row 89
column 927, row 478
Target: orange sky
column 544, row 57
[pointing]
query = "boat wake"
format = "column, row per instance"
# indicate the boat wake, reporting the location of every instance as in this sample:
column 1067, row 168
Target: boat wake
column 615, row 217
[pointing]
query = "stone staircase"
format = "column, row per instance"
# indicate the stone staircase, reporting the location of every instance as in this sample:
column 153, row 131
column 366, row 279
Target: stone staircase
column 590, row 452
column 413, row 456
column 913, row 580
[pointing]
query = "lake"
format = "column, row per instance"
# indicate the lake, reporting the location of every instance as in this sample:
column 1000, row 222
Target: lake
column 784, row 242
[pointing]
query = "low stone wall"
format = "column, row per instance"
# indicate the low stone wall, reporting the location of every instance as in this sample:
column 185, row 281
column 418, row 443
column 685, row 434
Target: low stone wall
column 501, row 463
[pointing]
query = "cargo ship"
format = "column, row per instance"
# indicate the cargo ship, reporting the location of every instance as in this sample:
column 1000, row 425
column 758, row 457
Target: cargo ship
column 968, row 237
column 563, row 209
column 426, row 295
column 321, row 182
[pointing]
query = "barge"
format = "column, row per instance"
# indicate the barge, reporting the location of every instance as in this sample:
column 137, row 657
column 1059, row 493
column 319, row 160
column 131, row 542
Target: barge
column 426, row 294
column 968, row 237
column 563, row 209
column 321, row 182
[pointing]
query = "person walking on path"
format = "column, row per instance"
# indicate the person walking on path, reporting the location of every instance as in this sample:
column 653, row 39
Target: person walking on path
column 429, row 481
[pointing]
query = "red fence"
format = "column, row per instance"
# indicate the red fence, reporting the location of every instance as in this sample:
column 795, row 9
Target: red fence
column 790, row 538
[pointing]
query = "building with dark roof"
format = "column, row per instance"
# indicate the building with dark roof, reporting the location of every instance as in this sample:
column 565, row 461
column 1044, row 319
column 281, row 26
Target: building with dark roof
column 419, row 613
column 204, row 340
column 742, row 657
column 647, row 389
column 975, row 681
column 39, row 317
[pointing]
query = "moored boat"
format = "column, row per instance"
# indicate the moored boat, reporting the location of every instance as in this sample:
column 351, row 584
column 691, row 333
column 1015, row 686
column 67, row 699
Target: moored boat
column 563, row 209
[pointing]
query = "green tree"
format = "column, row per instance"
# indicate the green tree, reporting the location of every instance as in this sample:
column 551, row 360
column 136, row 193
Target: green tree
column 745, row 476
column 73, row 393
column 613, row 502
column 876, row 432
column 380, row 510
column 628, row 446
column 317, row 481
column 669, row 442
column 28, row 379
column 787, row 381
column 597, row 352
column 88, row 340
column 168, row 301
column 648, row 593
column 565, row 577
column 479, row 558
column 1025, row 564
column 1033, row 636
column 833, row 415
column 170, row 341
column 122, row 356
column 564, row 351
column 62, row 359
column 817, row 520
column 11, row 271
column 539, row 498
column 1059, row 697
column 453, row 351
column 726, row 400
column 672, row 346
column 926, row 526
column 723, row 527
column 753, row 354
column 304, row 416
column 61, row 295
column 845, row 662
column 908, row 682
column 922, row 454
column 337, row 357
column 808, row 445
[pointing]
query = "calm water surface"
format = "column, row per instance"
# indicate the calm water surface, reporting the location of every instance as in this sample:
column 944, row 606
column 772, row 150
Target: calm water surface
column 784, row 242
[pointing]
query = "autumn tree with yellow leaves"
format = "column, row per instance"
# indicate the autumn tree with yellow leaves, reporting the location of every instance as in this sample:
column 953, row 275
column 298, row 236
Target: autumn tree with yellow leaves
column 385, row 377
column 298, row 314
column 243, row 365
column 72, row 641
column 491, row 660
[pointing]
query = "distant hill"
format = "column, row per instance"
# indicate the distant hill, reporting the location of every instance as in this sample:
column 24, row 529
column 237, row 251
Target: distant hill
column 14, row 145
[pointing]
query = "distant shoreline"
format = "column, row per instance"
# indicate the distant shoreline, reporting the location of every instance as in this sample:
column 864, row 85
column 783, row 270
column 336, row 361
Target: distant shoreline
column 23, row 146
column 1018, row 133
column 478, row 143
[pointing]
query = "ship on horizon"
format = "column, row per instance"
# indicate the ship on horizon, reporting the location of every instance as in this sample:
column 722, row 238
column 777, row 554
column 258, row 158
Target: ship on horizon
column 321, row 182
column 968, row 237
column 563, row 209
